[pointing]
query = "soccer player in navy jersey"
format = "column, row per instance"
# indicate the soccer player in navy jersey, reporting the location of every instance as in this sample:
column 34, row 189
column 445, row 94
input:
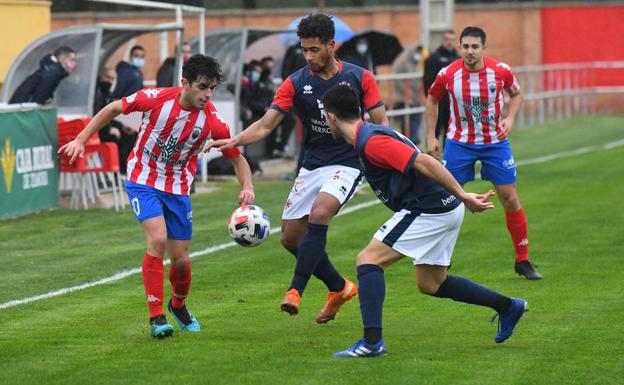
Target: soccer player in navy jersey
column 428, row 207
column 330, row 174
column 176, row 123
column 477, row 131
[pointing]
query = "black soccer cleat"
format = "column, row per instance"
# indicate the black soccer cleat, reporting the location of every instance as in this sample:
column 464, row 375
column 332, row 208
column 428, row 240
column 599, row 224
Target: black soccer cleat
column 160, row 327
column 526, row 268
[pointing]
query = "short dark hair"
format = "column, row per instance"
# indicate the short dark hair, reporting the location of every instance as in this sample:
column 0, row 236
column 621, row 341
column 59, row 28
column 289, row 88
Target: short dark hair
column 473, row 32
column 343, row 101
column 317, row 25
column 266, row 59
column 136, row 48
column 198, row 66
column 62, row 50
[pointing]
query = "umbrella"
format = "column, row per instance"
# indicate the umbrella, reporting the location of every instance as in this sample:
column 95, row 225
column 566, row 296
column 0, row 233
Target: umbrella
column 343, row 32
column 383, row 47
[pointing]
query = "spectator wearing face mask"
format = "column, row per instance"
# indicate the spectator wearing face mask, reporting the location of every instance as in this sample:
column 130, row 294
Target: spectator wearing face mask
column 129, row 75
column 115, row 131
column 362, row 56
column 39, row 87
column 166, row 72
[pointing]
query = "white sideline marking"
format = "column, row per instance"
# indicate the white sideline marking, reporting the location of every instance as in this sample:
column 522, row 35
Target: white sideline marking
column 126, row 273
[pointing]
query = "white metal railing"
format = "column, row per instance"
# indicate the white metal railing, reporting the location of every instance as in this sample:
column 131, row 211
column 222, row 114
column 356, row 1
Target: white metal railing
column 550, row 91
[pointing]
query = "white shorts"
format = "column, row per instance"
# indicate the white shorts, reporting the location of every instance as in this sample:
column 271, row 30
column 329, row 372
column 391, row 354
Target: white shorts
column 429, row 239
column 339, row 181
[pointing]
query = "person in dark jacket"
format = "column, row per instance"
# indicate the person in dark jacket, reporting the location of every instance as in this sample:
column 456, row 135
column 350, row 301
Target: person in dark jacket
column 443, row 56
column 129, row 75
column 164, row 77
column 39, row 87
column 115, row 131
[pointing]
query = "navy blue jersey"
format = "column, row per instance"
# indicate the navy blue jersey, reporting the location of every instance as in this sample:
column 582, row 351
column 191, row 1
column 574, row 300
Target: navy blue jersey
column 387, row 158
column 304, row 90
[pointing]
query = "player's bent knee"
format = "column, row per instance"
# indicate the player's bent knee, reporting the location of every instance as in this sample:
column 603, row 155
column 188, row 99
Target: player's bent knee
column 321, row 215
column 180, row 263
column 156, row 245
column 428, row 288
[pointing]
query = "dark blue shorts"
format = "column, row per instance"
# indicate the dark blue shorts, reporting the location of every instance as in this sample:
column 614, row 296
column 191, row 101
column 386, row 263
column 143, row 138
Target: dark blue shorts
column 497, row 163
column 148, row 202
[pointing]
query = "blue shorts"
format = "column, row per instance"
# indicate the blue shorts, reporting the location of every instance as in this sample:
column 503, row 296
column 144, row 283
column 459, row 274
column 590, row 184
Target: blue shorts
column 497, row 163
column 148, row 202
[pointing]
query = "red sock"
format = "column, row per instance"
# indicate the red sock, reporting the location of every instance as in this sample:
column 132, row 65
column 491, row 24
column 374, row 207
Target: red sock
column 181, row 284
column 153, row 277
column 519, row 230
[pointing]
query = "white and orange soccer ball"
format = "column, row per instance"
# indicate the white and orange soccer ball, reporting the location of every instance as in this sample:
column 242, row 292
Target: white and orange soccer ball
column 249, row 225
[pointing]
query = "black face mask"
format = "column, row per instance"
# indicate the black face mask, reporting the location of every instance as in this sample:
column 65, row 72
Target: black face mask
column 265, row 72
column 105, row 87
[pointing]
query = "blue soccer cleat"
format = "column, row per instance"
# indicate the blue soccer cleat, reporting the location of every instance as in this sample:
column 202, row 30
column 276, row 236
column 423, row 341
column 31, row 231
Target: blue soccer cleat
column 508, row 321
column 160, row 328
column 184, row 318
column 362, row 349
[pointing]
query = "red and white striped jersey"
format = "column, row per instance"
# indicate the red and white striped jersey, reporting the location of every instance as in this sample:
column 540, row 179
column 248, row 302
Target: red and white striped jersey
column 164, row 155
column 476, row 99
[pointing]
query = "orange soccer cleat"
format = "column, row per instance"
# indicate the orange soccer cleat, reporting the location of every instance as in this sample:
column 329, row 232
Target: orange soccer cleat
column 335, row 299
column 290, row 303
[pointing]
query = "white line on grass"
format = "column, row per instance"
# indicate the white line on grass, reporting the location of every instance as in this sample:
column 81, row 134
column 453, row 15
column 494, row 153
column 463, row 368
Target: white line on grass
column 276, row 230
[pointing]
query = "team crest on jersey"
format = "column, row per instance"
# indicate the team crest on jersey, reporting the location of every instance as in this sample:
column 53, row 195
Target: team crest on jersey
column 196, row 132
column 492, row 87
column 476, row 108
column 307, row 89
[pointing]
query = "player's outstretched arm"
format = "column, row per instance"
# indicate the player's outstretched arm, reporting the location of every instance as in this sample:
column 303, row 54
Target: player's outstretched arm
column 432, row 169
column 243, row 174
column 431, row 120
column 378, row 116
column 260, row 129
column 76, row 147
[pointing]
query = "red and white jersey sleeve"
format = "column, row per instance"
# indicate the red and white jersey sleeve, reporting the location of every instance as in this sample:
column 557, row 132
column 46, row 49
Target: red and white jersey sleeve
column 164, row 155
column 284, row 97
column 476, row 99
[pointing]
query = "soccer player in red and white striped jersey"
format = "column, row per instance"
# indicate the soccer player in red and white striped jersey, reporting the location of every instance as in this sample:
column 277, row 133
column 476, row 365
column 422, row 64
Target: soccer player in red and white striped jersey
column 477, row 130
column 176, row 123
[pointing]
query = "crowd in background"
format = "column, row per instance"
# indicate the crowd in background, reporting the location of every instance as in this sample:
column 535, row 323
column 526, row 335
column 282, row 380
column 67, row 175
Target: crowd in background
column 258, row 87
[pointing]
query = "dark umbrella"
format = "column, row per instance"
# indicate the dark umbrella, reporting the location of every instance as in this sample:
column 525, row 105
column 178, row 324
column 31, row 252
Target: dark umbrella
column 384, row 47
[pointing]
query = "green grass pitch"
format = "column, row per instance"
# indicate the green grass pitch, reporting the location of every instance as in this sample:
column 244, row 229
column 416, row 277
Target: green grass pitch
column 573, row 333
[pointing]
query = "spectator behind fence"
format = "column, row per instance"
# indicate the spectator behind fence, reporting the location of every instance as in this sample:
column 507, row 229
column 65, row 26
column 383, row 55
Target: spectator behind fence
column 39, row 87
column 443, row 56
column 406, row 92
column 362, row 56
column 166, row 72
column 129, row 75
column 293, row 60
column 115, row 131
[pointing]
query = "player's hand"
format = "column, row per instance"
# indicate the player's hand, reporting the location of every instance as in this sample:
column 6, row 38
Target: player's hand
column 506, row 126
column 73, row 149
column 478, row 202
column 433, row 147
column 246, row 197
column 221, row 144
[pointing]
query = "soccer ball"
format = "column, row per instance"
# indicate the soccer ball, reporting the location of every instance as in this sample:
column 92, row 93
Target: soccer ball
column 249, row 225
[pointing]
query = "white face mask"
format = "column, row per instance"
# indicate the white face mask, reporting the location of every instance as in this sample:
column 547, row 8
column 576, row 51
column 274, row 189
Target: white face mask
column 416, row 57
column 138, row 62
column 361, row 48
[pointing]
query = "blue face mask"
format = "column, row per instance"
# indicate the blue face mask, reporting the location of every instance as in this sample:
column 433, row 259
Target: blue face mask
column 138, row 62
column 254, row 77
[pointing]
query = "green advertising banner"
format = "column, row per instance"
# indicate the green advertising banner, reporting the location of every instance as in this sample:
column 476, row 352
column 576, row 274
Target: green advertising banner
column 29, row 175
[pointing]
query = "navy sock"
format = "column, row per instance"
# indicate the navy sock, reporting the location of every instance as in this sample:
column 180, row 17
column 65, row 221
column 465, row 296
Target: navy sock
column 464, row 290
column 309, row 253
column 372, row 292
column 326, row 272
